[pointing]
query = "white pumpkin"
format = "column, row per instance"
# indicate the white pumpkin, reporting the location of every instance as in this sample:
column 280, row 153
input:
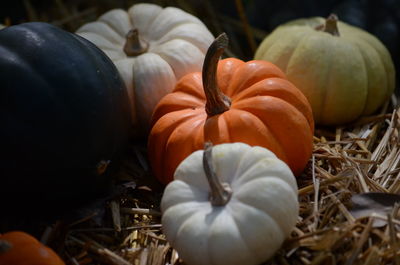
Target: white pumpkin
column 242, row 221
column 2, row 26
column 152, row 48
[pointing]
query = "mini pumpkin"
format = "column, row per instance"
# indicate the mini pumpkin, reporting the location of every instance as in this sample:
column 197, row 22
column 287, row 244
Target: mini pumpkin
column 344, row 71
column 152, row 47
column 20, row 248
column 229, row 204
column 231, row 101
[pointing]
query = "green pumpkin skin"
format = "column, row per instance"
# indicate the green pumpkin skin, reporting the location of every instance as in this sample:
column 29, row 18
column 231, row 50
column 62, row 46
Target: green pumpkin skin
column 64, row 114
column 344, row 77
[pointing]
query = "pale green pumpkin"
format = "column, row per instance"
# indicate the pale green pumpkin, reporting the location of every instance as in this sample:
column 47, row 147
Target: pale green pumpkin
column 344, row 71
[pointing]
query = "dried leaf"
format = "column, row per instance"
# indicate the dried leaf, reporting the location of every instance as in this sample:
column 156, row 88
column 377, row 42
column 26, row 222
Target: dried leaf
column 370, row 203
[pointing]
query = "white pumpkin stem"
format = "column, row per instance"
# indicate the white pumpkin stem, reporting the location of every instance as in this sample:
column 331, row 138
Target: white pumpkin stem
column 221, row 193
column 4, row 246
column 330, row 25
column 217, row 102
column 134, row 45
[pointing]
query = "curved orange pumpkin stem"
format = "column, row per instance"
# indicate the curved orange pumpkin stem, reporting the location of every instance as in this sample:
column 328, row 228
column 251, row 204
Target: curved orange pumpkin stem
column 217, row 102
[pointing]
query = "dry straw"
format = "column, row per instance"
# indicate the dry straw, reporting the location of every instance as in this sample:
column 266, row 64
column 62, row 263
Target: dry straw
column 347, row 162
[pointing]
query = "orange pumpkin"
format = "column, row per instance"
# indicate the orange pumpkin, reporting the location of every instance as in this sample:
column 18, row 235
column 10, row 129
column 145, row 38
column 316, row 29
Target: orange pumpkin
column 20, row 248
column 231, row 101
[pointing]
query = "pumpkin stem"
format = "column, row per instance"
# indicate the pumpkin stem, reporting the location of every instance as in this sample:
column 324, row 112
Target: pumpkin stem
column 217, row 102
column 330, row 25
column 4, row 246
column 221, row 193
column 134, row 45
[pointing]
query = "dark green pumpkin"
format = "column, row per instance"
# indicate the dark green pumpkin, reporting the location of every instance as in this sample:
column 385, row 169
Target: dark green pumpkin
column 63, row 116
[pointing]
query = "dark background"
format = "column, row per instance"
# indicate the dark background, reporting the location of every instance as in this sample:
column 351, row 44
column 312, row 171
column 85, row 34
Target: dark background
column 379, row 17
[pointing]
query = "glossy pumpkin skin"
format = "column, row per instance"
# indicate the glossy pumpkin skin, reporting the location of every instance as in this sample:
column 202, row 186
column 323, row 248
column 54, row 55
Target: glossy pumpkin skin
column 266, row 110
column 64, row 114
column 20, row 248
column 344, row 77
